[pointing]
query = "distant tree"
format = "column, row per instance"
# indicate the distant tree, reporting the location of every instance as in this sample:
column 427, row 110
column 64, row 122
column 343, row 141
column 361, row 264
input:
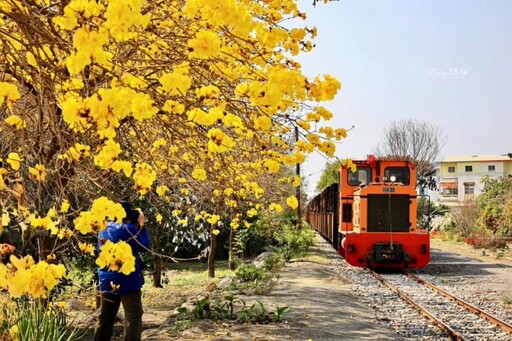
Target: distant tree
column 329, row 175
column 495, row 203
column 420, row 142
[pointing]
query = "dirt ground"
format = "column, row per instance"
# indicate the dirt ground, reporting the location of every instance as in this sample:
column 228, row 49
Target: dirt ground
column 322, row 305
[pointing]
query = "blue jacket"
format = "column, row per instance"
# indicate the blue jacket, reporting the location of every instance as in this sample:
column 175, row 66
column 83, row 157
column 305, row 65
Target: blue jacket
column 138, row 239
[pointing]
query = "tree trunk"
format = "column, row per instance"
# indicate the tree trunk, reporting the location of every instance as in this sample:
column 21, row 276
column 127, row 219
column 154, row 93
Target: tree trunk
column 298, row 223
column 45, row 246
column 232, row 236
column 211, row 256
column 98, row 297
column 157, row 274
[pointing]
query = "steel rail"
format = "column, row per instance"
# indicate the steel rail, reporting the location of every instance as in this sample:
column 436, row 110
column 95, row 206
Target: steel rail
column 444, row 327
column 468, row 306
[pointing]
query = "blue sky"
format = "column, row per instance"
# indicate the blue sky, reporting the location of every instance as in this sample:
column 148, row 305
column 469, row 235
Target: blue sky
column 444, row 62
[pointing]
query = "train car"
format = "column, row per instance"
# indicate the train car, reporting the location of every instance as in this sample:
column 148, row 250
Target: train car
column 369, row 216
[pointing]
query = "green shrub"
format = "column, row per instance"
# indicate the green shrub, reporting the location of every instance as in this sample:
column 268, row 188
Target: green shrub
column 249, row 273
column 495, row 204
column 35, row 321
column 295, row 241
column 427, row 210
column 274, row 261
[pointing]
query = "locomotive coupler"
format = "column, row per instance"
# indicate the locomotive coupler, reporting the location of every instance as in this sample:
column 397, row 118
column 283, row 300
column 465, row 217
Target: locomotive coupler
column 389, row 253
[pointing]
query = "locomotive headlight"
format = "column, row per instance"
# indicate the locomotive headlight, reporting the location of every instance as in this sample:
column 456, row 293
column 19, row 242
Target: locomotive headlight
column 392, row 178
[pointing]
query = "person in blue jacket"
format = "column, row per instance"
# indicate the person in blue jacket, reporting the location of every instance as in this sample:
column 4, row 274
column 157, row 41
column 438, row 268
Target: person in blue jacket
column 116, row 288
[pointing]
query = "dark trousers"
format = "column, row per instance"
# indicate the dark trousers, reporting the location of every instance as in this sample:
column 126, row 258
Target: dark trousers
column 132, row 304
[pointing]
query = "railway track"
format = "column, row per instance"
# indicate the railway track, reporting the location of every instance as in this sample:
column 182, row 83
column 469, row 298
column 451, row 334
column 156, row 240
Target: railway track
column 458, row 319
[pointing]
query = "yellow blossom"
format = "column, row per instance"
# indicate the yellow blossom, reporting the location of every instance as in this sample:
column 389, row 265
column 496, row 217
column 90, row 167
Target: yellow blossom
column 275, row 207
column 159, row 218
column 38, row 172
column 16, row 121
column 340, row 133
column 219, row 142
column 292, row 202
column 14, row 160
column 199, row 174
column 162, row 190
column 13, row 332
column 116, row 257
column 213, row 219
column 206, row 44
column 252, row 212
column 296, row 181
column 144, row 176
column 272, row 166
column 175, row 83
column 8, row 94
column 86, row 248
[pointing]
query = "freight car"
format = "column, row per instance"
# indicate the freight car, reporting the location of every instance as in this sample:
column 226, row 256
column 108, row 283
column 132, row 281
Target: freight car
column 369, row 216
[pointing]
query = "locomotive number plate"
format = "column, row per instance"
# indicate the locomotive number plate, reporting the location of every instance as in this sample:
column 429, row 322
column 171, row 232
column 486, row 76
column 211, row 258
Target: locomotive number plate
column 388, row 189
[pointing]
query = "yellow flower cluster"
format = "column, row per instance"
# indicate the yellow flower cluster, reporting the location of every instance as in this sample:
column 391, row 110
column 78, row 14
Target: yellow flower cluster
column 292, row 202
column 95, row 220
column 47, row 222
column 275, row 207
column 144, row 176
column 116, row 257
column 195, row 99
column 8, row 93
column 213, row 219
column 206, row 44
column 199, row 174
column 89, row 47
column 14, row 160
column 86, row 248
column 76, row 153
column 24, row 276
column 162, row 190
column 16, row 121
column 107, row 109
column 38, row 172
column 219, row 141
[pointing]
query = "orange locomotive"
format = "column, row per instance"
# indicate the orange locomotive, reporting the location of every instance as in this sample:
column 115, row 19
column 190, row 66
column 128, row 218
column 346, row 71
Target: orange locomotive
column 370, row 215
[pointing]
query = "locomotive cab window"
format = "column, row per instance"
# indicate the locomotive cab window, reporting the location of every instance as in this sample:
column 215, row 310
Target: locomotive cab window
column 362, row 176
column 397, row 175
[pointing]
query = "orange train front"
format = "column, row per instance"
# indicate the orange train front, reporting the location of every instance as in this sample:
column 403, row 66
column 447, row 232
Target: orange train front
column 370, row 215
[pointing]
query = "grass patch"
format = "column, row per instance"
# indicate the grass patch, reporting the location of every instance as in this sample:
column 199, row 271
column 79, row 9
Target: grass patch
column 183, row 280
column 317, row 259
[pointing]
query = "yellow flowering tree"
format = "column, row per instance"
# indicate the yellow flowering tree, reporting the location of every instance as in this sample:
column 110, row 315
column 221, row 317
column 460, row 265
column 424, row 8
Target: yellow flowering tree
column 178, row 101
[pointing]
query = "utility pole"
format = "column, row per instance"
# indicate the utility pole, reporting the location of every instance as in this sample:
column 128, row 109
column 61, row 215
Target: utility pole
column 297, row 193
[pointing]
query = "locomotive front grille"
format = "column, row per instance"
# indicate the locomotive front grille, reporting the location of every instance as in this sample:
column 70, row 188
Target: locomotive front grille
column 388, row 213
column 388, row 253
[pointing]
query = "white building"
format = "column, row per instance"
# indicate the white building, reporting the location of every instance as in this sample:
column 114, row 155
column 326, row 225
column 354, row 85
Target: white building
column 460, row 177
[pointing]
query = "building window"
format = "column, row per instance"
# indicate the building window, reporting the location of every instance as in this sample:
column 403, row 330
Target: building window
column 451, row 169
column 469, row 169
column 492, row 168
column 450, row 191
column 469, row 188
